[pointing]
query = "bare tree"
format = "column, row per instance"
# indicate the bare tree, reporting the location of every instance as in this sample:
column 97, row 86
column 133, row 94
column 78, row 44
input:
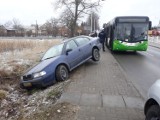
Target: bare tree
column 2, row 30
column 18, row 27
column 75, row 9
column 48, row 28
column 67, row 19
column 8, row 24
column 54, row 23
column 51, row 26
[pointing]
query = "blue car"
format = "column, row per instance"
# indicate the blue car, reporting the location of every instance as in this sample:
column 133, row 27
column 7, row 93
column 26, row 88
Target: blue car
column 60, row 59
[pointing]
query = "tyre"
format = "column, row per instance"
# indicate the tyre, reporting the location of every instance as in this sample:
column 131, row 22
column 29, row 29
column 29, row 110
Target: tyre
column 153, row 113
column 95, row 55
column 111, row 45
column 107, row 45
column 135, row 52
column 61, row 73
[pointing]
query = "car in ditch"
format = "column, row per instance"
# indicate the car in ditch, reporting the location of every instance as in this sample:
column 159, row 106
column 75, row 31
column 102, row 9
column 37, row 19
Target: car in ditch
column 60, row 59
column 152, row 106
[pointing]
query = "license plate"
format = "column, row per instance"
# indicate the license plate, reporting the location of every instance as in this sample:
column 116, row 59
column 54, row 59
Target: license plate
column 131, row 44
column 27, row 84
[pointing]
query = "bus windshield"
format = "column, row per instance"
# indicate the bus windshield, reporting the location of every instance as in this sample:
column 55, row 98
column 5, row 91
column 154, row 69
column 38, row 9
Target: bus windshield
column 132, row 31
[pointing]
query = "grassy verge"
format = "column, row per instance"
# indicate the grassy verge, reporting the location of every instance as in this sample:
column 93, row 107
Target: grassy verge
column 16, row 56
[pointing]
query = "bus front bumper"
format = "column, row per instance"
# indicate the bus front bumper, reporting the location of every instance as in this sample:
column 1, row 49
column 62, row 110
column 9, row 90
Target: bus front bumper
column 125, row 46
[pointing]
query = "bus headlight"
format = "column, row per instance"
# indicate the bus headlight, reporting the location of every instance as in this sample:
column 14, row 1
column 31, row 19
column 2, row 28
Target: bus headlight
column 145, row 37
column 126, row 40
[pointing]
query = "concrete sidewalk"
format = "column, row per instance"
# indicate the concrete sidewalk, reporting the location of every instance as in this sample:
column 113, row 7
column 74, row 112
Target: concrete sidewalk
column 103, row 92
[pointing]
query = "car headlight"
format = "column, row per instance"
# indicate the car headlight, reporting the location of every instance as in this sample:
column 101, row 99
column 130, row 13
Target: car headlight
column 40, row 74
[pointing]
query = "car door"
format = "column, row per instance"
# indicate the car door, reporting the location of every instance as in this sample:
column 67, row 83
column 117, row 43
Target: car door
column 85, row 45
column 74, row 54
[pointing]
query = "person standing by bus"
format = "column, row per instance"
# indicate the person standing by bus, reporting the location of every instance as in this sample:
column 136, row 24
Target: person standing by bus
column 102, row 36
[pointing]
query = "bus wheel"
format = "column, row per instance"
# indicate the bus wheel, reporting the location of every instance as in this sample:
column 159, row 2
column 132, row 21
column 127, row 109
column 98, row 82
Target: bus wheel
column 107, row 44
column 134, row 52
column 112, row 51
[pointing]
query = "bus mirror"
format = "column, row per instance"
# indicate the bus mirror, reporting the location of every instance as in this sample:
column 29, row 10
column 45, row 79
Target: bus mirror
column 104, row 25
column 113, row 27
column 150, row 25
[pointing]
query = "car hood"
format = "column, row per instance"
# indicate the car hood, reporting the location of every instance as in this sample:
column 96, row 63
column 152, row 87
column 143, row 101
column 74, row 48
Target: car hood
column 40, row 66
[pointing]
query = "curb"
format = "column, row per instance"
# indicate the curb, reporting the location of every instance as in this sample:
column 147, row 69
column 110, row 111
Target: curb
column 129, row 79
column 155, row 46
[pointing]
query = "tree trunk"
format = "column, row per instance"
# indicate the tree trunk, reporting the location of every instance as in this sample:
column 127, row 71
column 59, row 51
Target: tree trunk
column 75, row 20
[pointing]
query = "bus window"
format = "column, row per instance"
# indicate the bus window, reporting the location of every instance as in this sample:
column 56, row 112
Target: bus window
column 131, row 31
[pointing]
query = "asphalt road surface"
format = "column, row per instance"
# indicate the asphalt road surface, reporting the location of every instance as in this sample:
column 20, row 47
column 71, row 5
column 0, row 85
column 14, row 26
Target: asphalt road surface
column 142, row 68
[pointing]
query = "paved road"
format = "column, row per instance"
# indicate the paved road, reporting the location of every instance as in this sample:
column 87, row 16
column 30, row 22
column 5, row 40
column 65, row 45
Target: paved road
column 143, row 68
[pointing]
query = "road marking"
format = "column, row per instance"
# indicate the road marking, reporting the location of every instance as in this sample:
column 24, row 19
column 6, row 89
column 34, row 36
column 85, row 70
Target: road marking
column 148, row 54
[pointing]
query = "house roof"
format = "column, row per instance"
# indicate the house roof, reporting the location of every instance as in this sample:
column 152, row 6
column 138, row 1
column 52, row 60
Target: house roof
column 7, row 28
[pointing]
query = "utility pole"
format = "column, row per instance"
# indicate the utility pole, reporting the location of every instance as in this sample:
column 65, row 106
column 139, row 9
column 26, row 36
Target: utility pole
column 36, row 29
column 94, row 24
column 91, row 19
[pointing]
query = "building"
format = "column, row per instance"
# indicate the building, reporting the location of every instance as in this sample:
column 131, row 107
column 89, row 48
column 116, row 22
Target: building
column 4, row 31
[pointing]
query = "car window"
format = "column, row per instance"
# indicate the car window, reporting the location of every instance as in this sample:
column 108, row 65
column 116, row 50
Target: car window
column 71, row 45
column 82, row 41
column 53, row 51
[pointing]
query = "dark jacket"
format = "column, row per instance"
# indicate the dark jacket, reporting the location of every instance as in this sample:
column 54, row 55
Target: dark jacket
column 102, row 36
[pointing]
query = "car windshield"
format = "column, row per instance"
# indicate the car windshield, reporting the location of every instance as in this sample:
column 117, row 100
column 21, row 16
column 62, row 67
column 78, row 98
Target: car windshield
column 132, row 31
column 53, row 51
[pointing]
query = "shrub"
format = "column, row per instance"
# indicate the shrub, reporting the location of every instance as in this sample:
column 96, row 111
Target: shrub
column 3, row 94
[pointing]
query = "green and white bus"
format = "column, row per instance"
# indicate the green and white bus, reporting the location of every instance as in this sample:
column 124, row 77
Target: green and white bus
column 127, row 33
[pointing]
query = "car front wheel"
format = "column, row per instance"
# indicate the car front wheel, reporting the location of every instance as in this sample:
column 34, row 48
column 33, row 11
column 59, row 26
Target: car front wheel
column 95, row 55
column 153, row 113
column 61, row 73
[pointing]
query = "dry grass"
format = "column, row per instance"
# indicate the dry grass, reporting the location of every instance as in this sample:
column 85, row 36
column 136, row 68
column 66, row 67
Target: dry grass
column 18, row 55
column 12, row 45
column 3, row 94
column 9, row 45
column 60, row 111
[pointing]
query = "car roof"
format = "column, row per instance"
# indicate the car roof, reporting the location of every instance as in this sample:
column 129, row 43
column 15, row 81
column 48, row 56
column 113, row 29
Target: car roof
column 76, row 37
column 69, row 39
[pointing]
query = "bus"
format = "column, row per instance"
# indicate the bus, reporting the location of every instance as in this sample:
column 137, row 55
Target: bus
column 127, row 33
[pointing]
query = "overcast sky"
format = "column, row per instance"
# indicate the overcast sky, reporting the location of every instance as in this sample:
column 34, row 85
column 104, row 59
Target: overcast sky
column 112, row 8
column 28, row 11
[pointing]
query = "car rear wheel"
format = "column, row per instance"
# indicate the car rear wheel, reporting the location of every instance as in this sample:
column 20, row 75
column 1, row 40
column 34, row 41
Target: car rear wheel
column 61, row 73
column 153, row 113
column 95, row 55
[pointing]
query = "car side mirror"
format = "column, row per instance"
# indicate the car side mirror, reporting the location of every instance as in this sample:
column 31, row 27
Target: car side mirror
column 68, row 50
column 41, row 56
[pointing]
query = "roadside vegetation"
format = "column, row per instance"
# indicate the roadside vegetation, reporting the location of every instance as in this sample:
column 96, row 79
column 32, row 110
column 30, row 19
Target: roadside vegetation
column 16, row 56
column 20, row 45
